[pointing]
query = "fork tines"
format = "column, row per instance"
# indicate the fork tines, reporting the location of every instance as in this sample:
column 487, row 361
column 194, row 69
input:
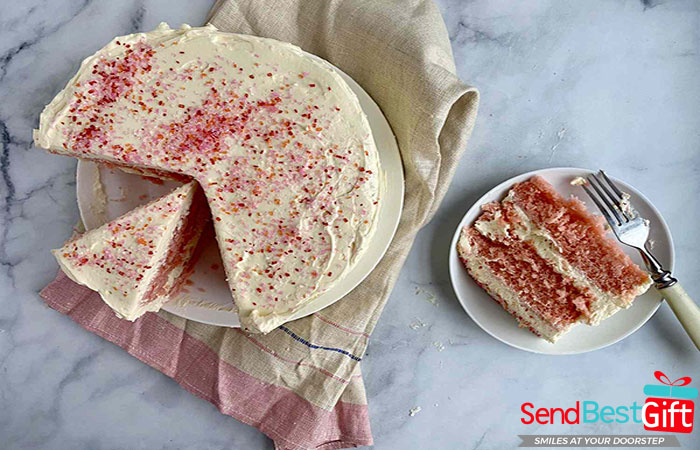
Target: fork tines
column 612, row 203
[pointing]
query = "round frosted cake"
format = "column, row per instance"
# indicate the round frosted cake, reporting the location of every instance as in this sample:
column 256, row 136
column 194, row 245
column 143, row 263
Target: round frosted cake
column 276, row 139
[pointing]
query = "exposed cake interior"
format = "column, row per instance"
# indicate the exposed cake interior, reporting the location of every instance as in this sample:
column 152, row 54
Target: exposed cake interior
column 181, row 256
column 536, row 254
column 545, row 301
column 582, row 239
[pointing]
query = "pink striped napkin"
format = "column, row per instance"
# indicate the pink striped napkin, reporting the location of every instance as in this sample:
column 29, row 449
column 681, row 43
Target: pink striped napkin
column 162, row 342
column 301, row 383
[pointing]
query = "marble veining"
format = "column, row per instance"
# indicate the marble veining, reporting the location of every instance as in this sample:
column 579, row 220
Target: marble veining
column 591, row 84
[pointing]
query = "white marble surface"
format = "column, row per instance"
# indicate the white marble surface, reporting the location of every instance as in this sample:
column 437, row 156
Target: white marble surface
column 593, row 84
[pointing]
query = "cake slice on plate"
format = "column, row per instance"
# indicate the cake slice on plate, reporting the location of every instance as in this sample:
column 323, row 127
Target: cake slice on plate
column 548, row 261
column 139, row 260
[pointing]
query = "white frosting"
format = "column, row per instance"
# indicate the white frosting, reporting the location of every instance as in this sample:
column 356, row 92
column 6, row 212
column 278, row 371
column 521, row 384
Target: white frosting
column 495, row 229
column 275, row 137
column 183, row 302
column 99, row 206
column 626, row 205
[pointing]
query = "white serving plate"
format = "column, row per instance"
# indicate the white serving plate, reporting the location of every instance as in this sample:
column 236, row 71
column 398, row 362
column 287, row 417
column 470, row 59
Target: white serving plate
column 126, row 191
column 490, row 316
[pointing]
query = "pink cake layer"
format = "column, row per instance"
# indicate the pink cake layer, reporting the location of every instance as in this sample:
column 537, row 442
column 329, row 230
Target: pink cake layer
column 181, row 251
column 582, row 237
column 545, row 294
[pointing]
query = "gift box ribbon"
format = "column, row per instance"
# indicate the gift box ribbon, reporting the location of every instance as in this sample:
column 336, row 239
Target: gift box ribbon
column 674, row 389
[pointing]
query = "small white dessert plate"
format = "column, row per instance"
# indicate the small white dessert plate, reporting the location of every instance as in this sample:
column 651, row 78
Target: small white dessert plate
column 490, row 316
column 105, row 194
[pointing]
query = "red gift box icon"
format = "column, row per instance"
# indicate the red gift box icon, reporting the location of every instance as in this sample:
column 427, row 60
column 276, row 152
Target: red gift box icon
column 670, row 408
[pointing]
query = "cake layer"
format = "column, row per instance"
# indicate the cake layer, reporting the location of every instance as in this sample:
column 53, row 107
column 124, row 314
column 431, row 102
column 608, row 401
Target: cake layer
column 509, row 222
column 524, row 283
column 534, row 253
column 509, row 300
column 139, row 260
column 275, row 137
column 181, row 255
column 581, row 239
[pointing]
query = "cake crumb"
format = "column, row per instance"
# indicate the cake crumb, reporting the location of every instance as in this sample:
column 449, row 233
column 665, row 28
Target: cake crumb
column 427, row 296
column 553, row 149
column 578, row 181
column 413, row 411
column 626, row 206
column 418, row 324
column 439, row 346
column 432, row 299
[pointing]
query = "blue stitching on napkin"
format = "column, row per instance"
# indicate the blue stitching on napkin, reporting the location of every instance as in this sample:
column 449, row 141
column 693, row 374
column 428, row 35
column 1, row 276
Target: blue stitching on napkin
column 319, row 347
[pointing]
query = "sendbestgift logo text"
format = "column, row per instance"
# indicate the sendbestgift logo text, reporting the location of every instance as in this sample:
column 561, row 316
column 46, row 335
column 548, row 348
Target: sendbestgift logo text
column 669, row 407
column 582, row 412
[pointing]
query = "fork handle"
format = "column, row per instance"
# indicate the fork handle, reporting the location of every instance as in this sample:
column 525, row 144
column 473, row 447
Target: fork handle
column 685, row 309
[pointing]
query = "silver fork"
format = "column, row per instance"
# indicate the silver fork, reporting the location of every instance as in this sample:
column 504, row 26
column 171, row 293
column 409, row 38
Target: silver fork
column 633, row 230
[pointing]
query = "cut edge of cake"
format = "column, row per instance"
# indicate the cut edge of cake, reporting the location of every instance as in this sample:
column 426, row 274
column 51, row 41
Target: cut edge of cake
column 507, row 223
column 604, row 267
column 504, row 295
column 604, row 304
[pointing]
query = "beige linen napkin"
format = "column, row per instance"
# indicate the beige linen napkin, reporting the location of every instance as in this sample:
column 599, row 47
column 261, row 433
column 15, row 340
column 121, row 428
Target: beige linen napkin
column 301, row 383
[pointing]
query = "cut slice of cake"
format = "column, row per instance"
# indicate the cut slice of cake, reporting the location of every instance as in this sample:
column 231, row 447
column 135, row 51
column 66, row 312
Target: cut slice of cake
column 548, row 261
column 139, row 260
